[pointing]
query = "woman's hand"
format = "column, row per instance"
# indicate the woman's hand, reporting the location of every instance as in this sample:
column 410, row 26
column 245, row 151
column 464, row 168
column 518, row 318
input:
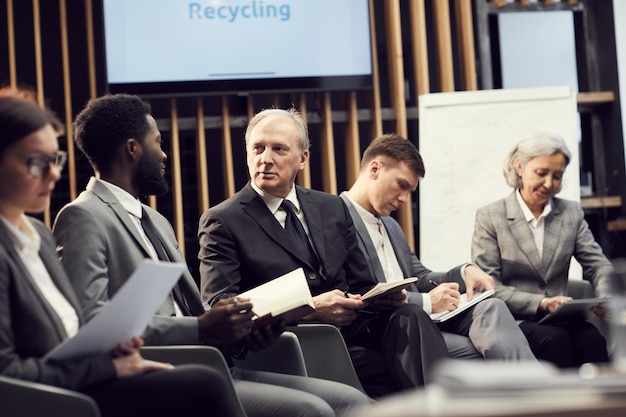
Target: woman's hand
column 550, row 304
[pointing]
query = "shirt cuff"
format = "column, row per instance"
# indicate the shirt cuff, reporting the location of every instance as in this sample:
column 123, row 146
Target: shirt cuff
column 463, row 269
column 426, row 304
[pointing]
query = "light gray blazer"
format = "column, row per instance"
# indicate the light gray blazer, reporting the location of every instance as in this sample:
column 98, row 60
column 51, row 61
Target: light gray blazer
column 504, row 248
column 100, row 248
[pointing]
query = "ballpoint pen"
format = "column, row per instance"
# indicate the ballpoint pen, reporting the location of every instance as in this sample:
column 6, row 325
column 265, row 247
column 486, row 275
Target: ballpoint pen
column 434, row 284
column 358, row 313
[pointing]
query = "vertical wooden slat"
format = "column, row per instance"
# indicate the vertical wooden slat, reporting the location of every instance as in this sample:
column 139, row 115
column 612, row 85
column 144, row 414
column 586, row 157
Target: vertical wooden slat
column 11, row 45
column 250, row 107
column 377, row 116
column 304, row 177
column 39, row 75
column 227, row 146
column 420, row 47
column 523, row 3
column 466, row 44
column 91, row 55
column 38, row 54
column 441, row 10
column 201, row 160
column 396, row 64
column 177, row 182
column 67, row 97
column 329, row 169
column 353, row 148
column 398, row 99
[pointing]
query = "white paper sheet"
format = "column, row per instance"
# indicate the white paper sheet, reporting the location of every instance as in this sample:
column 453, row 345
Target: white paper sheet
column 127, row 314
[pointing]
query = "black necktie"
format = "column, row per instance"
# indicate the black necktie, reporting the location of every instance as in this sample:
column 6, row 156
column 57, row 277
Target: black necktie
column 298, row 236
column 153, row 236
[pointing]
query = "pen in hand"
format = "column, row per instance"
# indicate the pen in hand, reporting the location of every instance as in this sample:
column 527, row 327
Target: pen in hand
column 433, row 283
column 358, row 313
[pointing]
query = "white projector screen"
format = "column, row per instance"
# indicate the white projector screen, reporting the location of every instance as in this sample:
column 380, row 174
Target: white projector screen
column 464, row 138
column 184, row 46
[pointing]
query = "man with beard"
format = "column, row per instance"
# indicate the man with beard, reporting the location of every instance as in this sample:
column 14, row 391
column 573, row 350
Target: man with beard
column 107, row 232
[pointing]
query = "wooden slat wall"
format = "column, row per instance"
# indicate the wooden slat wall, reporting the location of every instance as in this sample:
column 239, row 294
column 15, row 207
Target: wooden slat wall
column 198, row 125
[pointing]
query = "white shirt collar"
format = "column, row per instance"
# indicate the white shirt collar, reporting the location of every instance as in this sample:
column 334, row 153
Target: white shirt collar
column 273, row 203
column 128, row 201
column 528, row 215
column 21, row 240
column 364, row 214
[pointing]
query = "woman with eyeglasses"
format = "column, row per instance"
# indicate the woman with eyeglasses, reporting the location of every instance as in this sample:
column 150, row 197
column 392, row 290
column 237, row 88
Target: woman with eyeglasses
column 38, row 308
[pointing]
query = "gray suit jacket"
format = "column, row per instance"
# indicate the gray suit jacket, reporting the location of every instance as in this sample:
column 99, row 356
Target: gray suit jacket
column 100, row 248
column 29, row 327
column 504, row 248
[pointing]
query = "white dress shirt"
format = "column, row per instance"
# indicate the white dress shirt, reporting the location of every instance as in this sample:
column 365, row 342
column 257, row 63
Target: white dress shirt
column 537, row 226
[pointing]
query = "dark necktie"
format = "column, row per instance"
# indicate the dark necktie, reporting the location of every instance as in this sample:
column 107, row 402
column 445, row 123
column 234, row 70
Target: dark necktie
column 153, row 236
column 298, row 236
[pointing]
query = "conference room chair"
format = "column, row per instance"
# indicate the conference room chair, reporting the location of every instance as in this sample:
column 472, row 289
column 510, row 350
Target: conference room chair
column 20, row 398
column 192, row 354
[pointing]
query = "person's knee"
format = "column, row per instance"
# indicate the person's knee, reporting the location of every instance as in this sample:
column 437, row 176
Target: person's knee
column 313, row 407
column 491, row 306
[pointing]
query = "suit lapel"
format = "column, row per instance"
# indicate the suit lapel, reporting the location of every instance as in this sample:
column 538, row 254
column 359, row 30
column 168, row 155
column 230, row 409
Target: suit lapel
column 55, row 270
column 551, row 237
column 186, row 286
column 254, row 206
column 365, row 240
column 521, row 232
column 58, row 326
column 109, row 199
column 314, row 221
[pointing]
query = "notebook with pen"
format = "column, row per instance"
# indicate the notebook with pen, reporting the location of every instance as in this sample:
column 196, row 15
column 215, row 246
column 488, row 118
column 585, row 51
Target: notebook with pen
column 463, row 305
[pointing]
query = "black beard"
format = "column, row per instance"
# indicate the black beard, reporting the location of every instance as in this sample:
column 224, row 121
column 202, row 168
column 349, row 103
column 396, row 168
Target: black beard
column 149, row 180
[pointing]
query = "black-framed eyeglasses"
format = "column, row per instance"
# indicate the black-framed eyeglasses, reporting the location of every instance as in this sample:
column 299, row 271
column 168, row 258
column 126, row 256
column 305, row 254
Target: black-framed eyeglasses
column 39, row 164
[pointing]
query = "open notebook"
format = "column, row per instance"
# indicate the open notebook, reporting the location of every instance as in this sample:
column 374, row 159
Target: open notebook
column 463, row 305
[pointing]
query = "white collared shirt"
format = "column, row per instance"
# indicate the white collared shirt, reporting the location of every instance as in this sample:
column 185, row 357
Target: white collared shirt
column 537, row 226
column 27, row 247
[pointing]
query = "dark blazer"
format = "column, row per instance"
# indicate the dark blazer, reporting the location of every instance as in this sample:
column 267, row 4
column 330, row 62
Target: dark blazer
column 242, row 245
column 503, row 246
column 29, row 327
column 409, row 263
column 100, row 248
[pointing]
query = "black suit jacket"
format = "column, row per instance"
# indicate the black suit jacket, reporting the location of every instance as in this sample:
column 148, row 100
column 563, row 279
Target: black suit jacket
column 29, row 327
column 242, row 245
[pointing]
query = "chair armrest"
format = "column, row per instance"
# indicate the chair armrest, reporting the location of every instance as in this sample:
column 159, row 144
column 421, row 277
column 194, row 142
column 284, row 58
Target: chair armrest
column 325, row 353
column 199, row 355
column 31, row 399
column 578, row 289
column 284, row 357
